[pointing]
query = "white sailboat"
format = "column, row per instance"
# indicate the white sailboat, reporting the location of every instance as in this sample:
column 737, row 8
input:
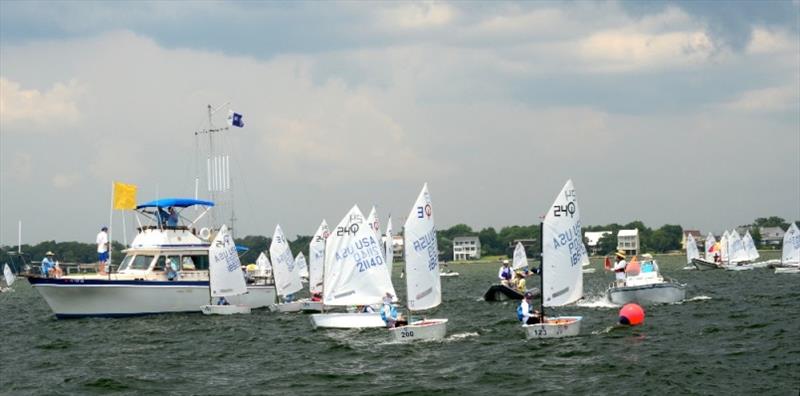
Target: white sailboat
column 691, row 252
column 263, row 266
column 737, row 255
column 790, row 255
column 316, row 258
column 712, row 248
column 750, row 247
column 225, row 275
column 520, row 258
column 8, row 275
column 374, row 223
column 302, row 264
column 562, row 254
column 355, row 274
column 423, row 284
column 387, row 246
column 287, row 273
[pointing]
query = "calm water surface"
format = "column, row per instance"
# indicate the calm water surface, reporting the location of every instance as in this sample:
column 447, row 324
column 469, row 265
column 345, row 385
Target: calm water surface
column 738, row 333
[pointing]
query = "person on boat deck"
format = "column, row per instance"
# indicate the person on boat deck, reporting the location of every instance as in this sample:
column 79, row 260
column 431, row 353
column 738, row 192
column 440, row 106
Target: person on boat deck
column 102, row 250
column 717, row 258
column 172, row 217
column 389, row 312
column 648, row 264
column 505, row 274
column 48, row 265
column 619, row 268
column 520, row 281
column 525, row 311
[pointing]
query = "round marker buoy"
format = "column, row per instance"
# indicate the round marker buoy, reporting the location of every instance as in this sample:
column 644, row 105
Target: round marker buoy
column 631, row 315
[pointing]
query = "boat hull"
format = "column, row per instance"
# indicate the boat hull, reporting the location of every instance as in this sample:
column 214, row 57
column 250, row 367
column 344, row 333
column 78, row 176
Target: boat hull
column 503, row 293
column 448, row 274
column 224, row 309
column 421, row 330
column 703, row 265
column 75, row 298
column 743, row 267
column 297, row 306
column 787, row 270
column 348, row 320
column 655, row 293
column 556, row 327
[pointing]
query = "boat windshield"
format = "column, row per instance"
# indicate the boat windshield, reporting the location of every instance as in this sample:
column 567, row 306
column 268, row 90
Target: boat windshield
column 194, row 262
column 125, row 263
column 137, row 262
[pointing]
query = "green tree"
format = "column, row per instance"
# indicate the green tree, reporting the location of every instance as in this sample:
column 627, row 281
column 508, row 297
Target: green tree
column 607, row 244
column 490, row 242
column 772, row 221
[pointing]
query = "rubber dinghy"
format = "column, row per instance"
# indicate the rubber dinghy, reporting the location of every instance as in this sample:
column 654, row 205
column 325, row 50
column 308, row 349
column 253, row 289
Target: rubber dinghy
column 504, row 293
column 561, row 273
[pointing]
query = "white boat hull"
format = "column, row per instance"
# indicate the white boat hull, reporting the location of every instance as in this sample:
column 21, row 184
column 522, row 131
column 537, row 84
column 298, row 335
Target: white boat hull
column 787, row 270
column 655, row 293
column 349, row 320
column 556, row 327
column 448, row 274
column 224, row 309
column 703, row 265
column 421, row 330
column 297, row 306
column 74, row 298
column 743, row 267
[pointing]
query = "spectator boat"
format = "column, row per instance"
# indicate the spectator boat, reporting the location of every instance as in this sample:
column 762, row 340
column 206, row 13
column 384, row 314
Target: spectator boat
column 144, row 283
column 645, row 285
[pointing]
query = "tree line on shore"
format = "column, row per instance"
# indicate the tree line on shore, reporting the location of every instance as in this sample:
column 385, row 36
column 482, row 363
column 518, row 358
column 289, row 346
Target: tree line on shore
column 493, row 243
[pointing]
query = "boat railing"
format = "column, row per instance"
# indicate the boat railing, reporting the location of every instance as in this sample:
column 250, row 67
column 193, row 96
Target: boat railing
column 174, row 228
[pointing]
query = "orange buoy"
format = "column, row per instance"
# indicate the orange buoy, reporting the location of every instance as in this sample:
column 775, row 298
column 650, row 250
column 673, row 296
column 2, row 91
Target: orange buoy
column 631, row 314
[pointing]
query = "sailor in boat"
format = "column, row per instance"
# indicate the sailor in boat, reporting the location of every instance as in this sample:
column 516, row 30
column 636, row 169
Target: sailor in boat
column 48, row 266
column 389, row 313
column 525, row 311
column 619, row 268
column 316, row 296
column 505, row 274
column 519, row 281
column 648, row 264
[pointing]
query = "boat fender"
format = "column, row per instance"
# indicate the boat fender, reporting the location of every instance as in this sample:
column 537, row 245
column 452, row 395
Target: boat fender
column 205, row 233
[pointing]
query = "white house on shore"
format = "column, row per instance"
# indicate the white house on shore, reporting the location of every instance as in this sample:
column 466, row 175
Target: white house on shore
column 593, row 238
column 628, row 240
column 466, row 248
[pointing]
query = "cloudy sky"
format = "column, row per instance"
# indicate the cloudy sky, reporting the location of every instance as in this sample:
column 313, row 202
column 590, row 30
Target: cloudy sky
column 677, row 112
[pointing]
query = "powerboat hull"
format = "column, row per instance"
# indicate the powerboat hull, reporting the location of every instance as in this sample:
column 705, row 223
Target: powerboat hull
column 448, row 274
column 225, row 309
column 348, row 320
column 654, row 293
column 555, row 327
column 703, row 265
column 503, row 293
column 83, row 297
column 421, row 330
column 297, row 306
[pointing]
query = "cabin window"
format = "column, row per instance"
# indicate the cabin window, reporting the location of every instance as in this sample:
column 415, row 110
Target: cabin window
column 162, row 260
column 141, row 262
column 125, row 263
column 198, row 262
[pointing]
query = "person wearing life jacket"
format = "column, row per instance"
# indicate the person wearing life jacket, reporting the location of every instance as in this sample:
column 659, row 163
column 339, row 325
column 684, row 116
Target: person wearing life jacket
column 519, row 281
column 619, row 268
column 505, row 274
column 525, row 311
column 388, row 311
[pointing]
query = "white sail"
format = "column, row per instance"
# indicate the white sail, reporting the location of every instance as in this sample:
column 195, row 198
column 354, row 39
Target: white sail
column 302, row 265
column 263, row 264
column 8, row 275
column 316, row 258
column 423, row 282
column 355, row 266
column 710, row 242
column 520, row 258
column 374, row 223
column 737, row 253
column 562, row 275
column 791, row 245
column 724, row 247
column 286, row 273
column 691, row 249
column 224, row 268
column 388, row 246
column 750, row 247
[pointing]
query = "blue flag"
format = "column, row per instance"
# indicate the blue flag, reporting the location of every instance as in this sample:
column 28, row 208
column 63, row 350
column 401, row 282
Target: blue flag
column 235, row 119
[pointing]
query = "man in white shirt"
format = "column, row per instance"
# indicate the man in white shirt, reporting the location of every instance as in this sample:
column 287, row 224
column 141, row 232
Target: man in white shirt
column 619, row 268
column 102, row 250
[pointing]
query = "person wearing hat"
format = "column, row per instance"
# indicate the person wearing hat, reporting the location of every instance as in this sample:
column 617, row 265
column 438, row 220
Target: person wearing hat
column 48, row 266
column 505, row 274
column 619, row 268
column 389, row 312
column 102, row 250
column 525, row 311
column 519, row 281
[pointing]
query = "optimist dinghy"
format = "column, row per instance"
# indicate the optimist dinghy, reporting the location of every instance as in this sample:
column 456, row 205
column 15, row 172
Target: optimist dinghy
column 225, row 276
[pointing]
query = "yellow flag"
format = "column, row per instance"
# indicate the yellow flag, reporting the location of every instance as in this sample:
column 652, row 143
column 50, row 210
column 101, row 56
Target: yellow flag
column 124, row 196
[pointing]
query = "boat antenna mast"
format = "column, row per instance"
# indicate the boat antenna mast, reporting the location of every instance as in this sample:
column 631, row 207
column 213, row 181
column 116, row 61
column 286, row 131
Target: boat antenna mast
column 218, row 177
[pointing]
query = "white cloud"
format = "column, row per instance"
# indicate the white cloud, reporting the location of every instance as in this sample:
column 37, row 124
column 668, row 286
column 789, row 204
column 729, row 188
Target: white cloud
column 779, row 98
column 417, row 15
column 765, row 41
column 620, row 51
column 66, row 180
column 51, row 107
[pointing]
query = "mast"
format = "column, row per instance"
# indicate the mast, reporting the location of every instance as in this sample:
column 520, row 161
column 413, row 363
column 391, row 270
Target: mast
column 216, row 176
column 541, row 272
